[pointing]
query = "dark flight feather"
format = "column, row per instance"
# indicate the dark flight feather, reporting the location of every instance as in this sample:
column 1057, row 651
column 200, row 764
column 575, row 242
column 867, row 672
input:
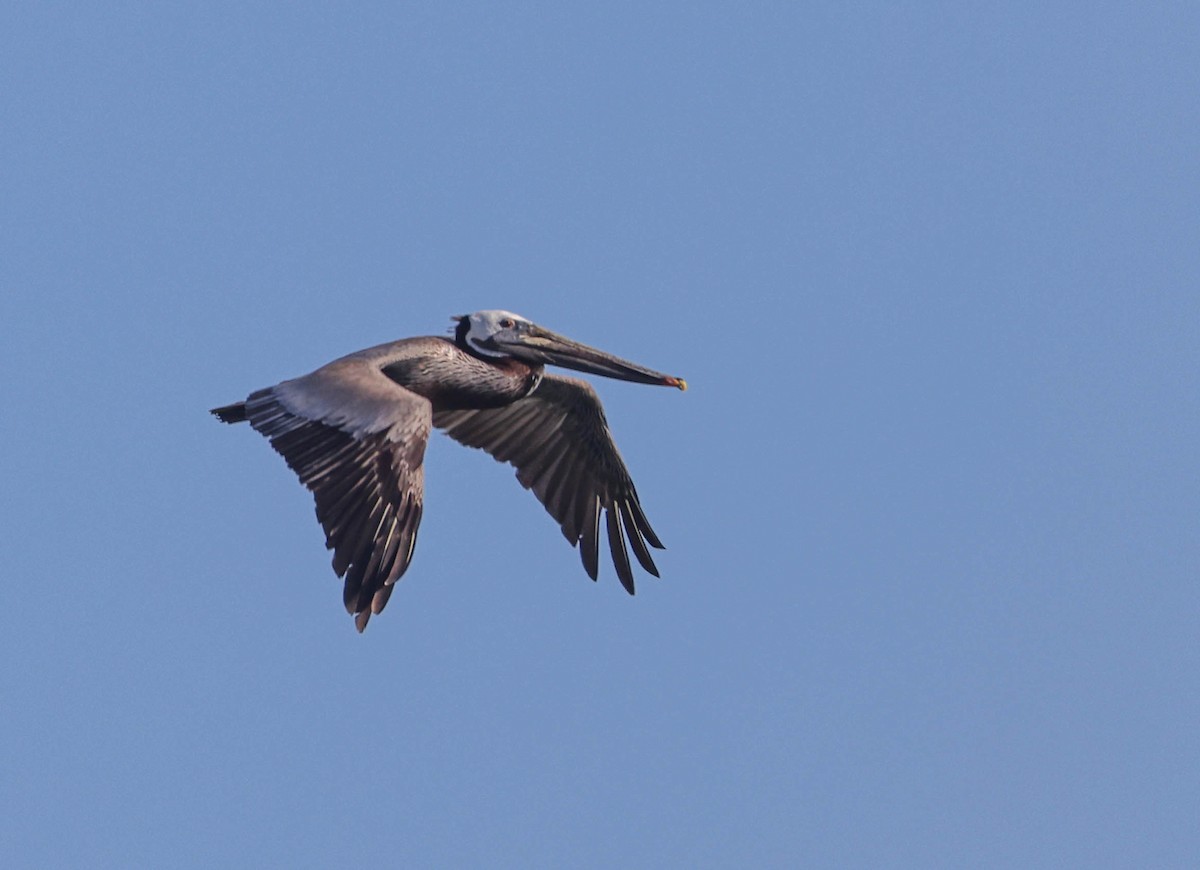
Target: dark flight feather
column 558, row 440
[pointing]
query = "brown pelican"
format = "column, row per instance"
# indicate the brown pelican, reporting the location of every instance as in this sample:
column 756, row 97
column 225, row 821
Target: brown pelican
column 355, row 430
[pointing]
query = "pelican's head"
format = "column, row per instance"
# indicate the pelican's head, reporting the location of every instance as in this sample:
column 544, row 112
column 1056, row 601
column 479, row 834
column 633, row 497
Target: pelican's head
column 501, row 334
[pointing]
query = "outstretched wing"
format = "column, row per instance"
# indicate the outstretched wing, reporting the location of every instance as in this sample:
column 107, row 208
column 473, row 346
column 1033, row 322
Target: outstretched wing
column 559, row 442
column 357, row 441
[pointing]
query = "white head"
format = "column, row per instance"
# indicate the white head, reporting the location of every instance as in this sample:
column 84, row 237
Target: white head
column 484, row 331
column 504, row 335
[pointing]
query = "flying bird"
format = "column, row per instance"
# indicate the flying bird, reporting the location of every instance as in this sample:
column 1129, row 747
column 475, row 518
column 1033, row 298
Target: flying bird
column 355, row 431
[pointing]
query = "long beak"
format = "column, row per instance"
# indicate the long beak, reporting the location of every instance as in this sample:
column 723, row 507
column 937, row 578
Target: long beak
column 545, row 347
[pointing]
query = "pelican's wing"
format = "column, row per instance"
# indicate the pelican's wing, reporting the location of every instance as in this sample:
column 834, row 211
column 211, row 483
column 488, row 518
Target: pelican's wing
column 559, row 442
column 357, row 441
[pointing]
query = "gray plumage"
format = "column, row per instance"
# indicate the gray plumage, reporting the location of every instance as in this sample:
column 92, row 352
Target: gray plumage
column 354, row 432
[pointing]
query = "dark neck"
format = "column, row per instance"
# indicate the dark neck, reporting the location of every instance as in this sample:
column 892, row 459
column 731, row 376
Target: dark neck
column 468, row 381
column 460, row 333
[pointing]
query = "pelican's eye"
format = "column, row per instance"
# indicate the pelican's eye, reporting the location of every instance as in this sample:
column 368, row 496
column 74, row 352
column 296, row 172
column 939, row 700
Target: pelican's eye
column 507, row 323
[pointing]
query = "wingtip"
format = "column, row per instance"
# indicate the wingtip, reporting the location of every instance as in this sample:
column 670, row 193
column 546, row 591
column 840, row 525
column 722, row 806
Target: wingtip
column 590, row 566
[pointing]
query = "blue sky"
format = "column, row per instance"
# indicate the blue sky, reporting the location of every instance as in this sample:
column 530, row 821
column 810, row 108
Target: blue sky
column 931, row 502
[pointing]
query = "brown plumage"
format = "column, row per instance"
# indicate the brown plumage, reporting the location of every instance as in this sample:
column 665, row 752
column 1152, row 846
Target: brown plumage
column 355, row 430
column 558, row 440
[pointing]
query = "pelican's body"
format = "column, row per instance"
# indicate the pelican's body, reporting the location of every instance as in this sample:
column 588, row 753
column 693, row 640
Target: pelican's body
column 355, row 431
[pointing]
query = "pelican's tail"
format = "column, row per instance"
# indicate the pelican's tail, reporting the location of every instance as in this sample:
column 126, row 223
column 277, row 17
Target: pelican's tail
column 235, row 413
